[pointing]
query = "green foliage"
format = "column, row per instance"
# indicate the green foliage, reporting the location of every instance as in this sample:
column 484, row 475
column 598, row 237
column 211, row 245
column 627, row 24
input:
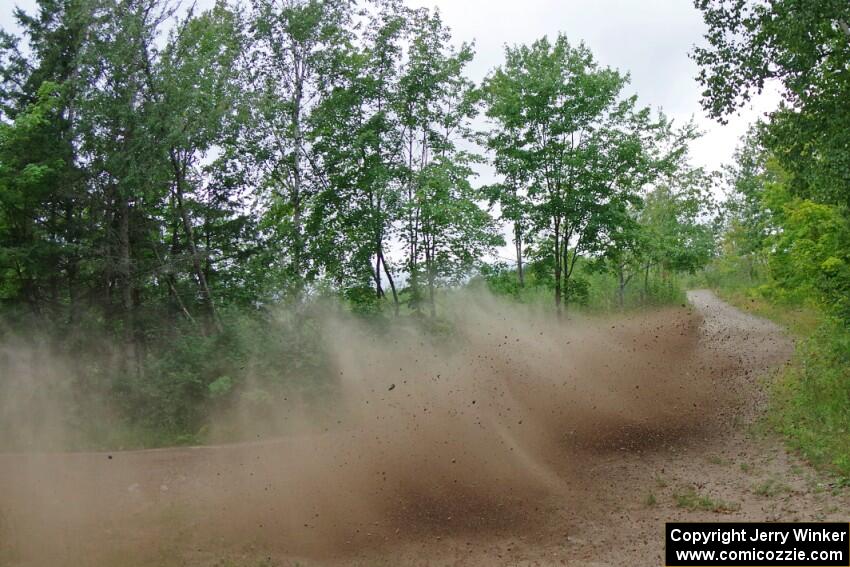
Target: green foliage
column 34, row 160
column 594, row 291
column 678, row 235
column 219, row 387
column 692, row 500
column 812, row 398
column 785, row 257
column 790, row 250
column 574, row 152
column 804, row 47
column 811, row 254
column 672, row 231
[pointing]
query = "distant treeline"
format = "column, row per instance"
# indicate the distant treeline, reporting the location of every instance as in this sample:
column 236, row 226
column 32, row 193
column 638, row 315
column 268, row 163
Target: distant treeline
column 158, row 164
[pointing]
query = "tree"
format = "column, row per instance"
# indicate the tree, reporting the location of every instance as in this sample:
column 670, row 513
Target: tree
column 194, row 91
column 42, row 195
column 289, row 41
column 446, row 231
column 356, row 134
column 34, row 165
column 625, row 251
column 130, row 129
column 677, row 224
column 804, row 47
column 586, row 151
column 512, row 193
column 748, row 223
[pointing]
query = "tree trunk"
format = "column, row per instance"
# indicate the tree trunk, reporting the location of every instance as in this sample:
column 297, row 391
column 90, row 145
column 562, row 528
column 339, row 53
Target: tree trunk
column 208, row 246
column 72, row 270
column 108, row 251
column 518, row 243
column 413, row 229
column 622, row 286
column 430, row 269
column 206, row 294
column 376, row 275
column 170, row 279
column 125, row 276
column 390, row 279
column 379, row 290
column 53, row 280
column 557, row 258
column 73, row 300
column 298, row 237
column 567, row 272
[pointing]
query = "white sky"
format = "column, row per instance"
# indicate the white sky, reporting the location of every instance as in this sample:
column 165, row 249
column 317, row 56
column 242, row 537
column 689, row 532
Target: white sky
column 650, row 39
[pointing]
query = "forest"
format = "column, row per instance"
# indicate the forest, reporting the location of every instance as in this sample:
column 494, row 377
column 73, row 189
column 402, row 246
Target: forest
column 178, row 185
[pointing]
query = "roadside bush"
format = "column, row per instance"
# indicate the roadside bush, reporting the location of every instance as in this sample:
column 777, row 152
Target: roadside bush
column 590, row 289
column 166, row 391
column 812, row 398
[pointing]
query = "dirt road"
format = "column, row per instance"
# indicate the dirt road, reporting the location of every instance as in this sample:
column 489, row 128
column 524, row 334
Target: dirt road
column 534, row 444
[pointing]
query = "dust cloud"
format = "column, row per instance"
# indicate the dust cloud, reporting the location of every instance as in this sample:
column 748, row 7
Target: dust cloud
column 465, row 434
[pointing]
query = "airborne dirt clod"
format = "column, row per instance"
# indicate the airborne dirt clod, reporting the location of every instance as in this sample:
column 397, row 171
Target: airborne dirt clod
column 524, row 441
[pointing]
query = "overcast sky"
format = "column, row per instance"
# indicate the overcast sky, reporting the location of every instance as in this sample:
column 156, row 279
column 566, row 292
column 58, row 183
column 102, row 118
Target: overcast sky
column 649, row 39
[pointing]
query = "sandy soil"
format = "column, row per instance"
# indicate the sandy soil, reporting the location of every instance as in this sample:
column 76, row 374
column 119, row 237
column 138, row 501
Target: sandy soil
column 534, row 444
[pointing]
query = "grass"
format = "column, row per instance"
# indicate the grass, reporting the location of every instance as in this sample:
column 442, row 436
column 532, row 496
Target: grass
column 650, row 501
column 691, row 500
column 771, row 487
column 811, row 400
column 717, row 460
